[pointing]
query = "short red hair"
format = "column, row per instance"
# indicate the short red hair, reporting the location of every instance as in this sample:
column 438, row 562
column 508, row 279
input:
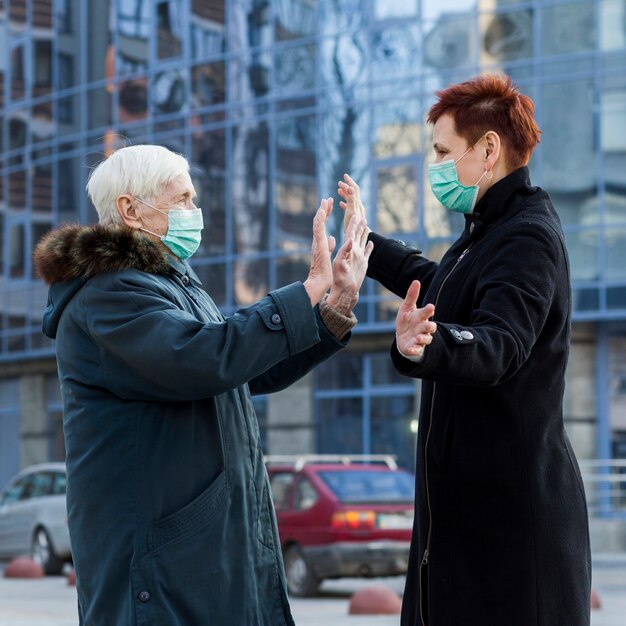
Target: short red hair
column 491, row 102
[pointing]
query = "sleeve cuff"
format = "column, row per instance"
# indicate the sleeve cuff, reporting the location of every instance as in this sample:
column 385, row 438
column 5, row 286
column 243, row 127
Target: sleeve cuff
column 337, row 323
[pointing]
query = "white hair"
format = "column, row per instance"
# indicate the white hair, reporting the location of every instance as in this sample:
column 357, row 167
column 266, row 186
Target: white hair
column 140, row 171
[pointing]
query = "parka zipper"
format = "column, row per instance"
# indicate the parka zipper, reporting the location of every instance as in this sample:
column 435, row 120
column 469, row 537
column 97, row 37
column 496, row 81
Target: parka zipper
column 424, row 562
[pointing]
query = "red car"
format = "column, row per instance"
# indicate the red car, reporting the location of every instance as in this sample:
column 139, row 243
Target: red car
column 341, row 516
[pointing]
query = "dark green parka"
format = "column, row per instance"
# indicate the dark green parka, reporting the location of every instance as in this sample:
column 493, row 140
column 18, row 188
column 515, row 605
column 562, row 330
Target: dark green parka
column 169, row 509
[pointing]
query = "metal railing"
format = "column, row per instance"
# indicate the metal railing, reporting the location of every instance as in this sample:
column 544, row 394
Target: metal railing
column 605, row 487
column 300, row 460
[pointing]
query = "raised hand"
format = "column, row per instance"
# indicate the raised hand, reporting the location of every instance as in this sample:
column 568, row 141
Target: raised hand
column 321, row 270
column 414, row 331
column 351, row 204
column 350, row 266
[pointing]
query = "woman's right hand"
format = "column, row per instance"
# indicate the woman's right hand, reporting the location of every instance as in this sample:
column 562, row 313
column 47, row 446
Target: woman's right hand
column 321, row 270
column 351, row 205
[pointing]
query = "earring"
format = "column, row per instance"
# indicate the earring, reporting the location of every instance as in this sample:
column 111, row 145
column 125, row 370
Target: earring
column 489, row 174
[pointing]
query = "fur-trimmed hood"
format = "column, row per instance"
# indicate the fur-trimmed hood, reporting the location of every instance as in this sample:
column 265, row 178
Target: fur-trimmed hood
column 79, row 252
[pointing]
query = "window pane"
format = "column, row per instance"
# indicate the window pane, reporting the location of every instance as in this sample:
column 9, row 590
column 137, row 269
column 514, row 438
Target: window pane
column 392, row 433
column 208, row 84
column 611, row 27
column 209, row 179
column 340, row 426
column 295, row 19
column 17, row 72
column 396, row 204
column 169, row 29
column 207, row 23
column 568, row 28
column 506, row 37
column 342, row 371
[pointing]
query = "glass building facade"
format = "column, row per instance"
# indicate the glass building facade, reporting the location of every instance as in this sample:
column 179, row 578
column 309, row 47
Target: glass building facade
column 271, row 101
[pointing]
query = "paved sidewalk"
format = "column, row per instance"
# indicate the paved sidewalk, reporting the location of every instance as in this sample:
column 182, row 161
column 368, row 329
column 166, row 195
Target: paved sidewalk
column 51, row 602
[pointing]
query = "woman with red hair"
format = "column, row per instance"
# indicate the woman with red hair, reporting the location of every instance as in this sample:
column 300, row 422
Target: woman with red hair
column 500, row 535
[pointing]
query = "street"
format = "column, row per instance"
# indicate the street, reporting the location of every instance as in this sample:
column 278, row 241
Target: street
column 51, row 602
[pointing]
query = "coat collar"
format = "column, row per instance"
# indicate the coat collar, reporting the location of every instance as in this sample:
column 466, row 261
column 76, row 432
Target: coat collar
column 79, row 252
column 495, row 203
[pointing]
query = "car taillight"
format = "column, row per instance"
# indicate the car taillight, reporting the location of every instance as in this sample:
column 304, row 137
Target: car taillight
column 353, row 519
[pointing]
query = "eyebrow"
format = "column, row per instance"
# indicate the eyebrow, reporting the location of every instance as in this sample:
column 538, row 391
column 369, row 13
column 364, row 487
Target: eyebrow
column 438, row 146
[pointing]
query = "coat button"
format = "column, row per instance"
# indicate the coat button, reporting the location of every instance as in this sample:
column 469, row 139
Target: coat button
column 276, row 319
column 143, row 596
column 185, row 280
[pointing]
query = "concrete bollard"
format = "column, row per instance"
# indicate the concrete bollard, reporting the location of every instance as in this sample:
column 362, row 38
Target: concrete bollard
column 23, row 567
column 375, row 600
column 595, row 600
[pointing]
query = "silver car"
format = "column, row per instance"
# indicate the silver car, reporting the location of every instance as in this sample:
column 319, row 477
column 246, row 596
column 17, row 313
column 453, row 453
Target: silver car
column 33, row 517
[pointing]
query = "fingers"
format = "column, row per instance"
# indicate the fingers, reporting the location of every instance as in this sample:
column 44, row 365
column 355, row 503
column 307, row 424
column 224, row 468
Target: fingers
column 369, row 249
column 412, row 294
column 350, row 182
column 332, row 242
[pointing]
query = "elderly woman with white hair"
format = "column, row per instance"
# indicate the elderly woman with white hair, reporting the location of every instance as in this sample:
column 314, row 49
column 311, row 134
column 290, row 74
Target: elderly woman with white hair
column 169, row 508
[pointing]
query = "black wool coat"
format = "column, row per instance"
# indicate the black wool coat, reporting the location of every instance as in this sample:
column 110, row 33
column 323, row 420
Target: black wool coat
column 501, row 534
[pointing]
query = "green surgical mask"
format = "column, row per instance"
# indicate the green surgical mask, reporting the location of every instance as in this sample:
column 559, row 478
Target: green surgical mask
column 445, row 184
column 184, row 230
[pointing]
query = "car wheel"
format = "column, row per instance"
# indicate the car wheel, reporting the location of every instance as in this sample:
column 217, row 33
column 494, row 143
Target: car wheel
column 301, row 580
column 42, row 552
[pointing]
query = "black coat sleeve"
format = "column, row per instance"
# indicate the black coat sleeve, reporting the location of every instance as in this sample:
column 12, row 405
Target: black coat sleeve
column 395, row 265
column 513, row 299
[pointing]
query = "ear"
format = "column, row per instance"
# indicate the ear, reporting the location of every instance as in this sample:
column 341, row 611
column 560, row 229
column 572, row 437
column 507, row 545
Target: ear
column 126, row 209
column 492, row 149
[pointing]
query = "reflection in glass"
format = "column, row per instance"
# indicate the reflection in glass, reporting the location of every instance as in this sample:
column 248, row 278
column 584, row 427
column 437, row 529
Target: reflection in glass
column 66, row 187
column 17, row 72
column 41, row 189
column 208, row 171
column 169, row 29
column 432, row 9
column 343, row 371
column 612, row 112
column 17, row 190
column 582, row 247
column 397, row 131
column 506, row 36
column 295, row 191
column 383, row 9
column 568, row 28
column 295, row 69
column 344, row 60
column 42, row 67
column 340, row 426
column 295, row 18
column 169, row 91
column 17, row 247
column 251, row 278
column 208, row 84
column 451, row 41
column 396, row 52
column 207, row 21
column 250, row 198
column 396, row 201
column 213, row 279
column 612, row 27
column 391, row 428
column 568, row 147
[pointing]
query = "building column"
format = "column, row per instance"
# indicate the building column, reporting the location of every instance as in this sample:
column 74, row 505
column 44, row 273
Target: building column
column 34, row 423
column 290, row 428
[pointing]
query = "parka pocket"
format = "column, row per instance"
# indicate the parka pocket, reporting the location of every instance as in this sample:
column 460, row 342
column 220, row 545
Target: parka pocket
column 199, row 513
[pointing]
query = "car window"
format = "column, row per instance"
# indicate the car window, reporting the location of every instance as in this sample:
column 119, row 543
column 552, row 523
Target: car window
column 280, row 483
column 306, row 495
column 17, row 491
column 27, row 488
column 370, row 486
column 60, row 483
column 41, row 485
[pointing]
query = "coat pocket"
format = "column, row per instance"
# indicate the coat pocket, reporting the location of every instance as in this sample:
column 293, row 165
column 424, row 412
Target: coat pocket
column 199, row 513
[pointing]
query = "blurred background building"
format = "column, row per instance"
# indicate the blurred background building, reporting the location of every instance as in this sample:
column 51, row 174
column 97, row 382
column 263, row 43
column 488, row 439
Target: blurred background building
column 272, row 101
